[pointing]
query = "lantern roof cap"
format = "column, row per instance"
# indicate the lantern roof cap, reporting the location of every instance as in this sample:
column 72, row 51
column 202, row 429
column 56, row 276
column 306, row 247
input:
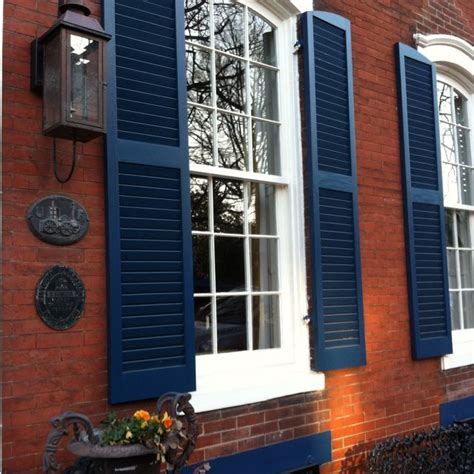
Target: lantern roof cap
column 74, row 15
column 65, row 5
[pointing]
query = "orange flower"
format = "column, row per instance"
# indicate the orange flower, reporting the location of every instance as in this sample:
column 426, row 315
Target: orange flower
column 167, row 421
column 142, row 414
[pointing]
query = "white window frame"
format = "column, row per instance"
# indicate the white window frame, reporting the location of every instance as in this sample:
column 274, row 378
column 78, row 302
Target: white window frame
column 454, row 59
column 239, row 378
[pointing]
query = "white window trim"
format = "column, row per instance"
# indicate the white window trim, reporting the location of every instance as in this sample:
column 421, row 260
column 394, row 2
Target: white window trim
column 227, row 380
column 283, row 9
column 454, row 59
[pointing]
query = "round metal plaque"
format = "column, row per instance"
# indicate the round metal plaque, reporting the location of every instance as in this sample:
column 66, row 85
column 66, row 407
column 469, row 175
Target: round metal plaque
column 60, row 298
column 58, row 220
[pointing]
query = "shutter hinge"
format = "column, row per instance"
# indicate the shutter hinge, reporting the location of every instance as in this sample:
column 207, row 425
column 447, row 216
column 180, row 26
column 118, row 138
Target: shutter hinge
column 307, row 319
column 297, row 47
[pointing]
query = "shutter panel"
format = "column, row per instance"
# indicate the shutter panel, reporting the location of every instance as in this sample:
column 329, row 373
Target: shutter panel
column 424, row 213
column 332, row 175
column 151, row 321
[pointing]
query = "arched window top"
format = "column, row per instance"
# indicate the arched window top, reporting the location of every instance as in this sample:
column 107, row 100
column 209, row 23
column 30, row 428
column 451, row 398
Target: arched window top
column 453, row 56
column 283, row 9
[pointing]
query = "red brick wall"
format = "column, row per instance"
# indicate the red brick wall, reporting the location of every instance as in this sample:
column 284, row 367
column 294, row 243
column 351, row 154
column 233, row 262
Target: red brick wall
column 46, row 373
column 392, row 394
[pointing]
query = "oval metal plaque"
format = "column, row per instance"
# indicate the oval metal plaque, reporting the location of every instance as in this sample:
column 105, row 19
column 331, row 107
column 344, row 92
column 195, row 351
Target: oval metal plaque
column 58, row 220
column 60, row 298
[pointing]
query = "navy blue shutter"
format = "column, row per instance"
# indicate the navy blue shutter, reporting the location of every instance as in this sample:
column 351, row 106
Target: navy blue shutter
column 334, row 218
column 151, row 328
column 424, row 213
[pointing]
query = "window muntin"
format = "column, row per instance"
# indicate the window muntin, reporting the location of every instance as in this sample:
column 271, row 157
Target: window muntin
column 458, row 198
column 234, row 128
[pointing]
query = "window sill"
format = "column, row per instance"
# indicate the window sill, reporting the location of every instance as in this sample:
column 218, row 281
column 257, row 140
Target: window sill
column 463, row 350
column 237, row 388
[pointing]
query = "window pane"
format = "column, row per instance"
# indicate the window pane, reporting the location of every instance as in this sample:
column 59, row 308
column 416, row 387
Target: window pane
column 230, row 83
column 266, row 322
column 261, row 40
column 452, row 269
column 448, row 151
column 467, row 188
column 200, row 136
column 262, row 210
column 264, row 258
column 199, row 203
column 449, row 223
column 464, row 146
column 232, row 324
column 466, row 259
column 266, row 147
column 468, row 309
column 228, row 206
column 263, row 91
column 450, row 184
column 84, row 67
column 461, row 108
column 197, row 21
column 198, row 75
column 232, row 141
column 230, row 264
column 201, row 264
column 229, row 27
column 455, row 316
column 203, row 325
column 464, row 231
column 444, row 101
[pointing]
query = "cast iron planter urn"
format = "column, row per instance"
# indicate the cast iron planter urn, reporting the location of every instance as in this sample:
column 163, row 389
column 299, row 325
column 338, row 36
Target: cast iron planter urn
column 105, row 451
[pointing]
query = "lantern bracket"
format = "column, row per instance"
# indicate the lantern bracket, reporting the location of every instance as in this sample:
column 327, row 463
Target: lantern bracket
column 73, row 164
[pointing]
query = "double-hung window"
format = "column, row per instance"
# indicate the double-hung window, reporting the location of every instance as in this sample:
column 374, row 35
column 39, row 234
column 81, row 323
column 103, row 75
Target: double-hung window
column 233, row 125
column 455, row 112
column 246, row 194
column 459, row 201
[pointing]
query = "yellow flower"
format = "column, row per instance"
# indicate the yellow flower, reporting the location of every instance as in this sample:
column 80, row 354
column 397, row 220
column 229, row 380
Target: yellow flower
column 142, row 414
column 143, row 425
column 155, row 418
column 128, row 435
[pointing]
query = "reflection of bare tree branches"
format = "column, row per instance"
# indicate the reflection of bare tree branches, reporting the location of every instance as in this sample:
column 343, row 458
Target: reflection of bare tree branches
column 198, row 72
column 444, row 101
column 197, row 21
column 199, row 203
column 232, row 141
column 230, row 83
column 200, row 136
column 228, row 206
column 229, row 28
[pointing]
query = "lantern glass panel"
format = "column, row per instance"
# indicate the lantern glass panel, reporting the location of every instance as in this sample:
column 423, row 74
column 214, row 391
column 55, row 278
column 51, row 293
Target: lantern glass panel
column 85, row 78
column 52, row 82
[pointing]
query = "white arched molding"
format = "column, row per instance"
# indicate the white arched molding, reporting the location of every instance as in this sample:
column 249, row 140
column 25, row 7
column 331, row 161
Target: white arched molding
column 453, row 56
column 282, row 9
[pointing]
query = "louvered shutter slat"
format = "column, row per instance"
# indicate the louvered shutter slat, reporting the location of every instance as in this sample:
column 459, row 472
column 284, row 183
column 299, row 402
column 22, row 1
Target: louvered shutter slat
column 151, row 321
column 336, row 275
column 424, row 213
